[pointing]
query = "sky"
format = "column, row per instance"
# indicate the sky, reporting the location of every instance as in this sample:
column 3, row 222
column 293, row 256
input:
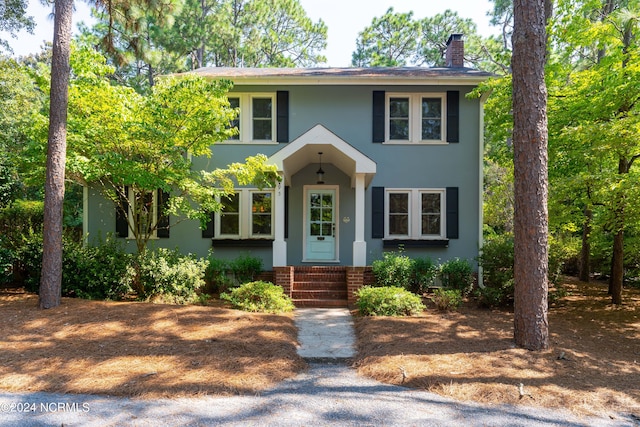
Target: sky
column 344, row 20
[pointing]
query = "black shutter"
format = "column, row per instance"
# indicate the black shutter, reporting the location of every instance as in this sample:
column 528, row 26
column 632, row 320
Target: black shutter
column 122, row 225
column 286, row 212
column 209, row 231
column 453, row 116
column 282, row 115
column 378, row 115
column 377, row 212
column 452, row 213
column 162, row 230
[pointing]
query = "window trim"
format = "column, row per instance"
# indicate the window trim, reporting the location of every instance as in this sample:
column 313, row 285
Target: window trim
column 415, row 214
column 245, row 216
column 415, row 117
column 245, row 131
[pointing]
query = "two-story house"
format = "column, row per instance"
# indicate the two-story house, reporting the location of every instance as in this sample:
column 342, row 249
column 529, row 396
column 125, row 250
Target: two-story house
column 370, row 159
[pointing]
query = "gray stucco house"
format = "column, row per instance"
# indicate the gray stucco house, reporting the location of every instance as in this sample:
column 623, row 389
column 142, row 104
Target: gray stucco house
column 370, row 159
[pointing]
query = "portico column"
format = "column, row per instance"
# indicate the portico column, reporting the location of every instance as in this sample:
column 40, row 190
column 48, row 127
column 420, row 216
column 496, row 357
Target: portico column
column 359, row 244
column 279, row 244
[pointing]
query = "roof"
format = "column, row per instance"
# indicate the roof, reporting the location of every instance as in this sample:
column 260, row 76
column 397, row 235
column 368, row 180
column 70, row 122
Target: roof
column 347, row 76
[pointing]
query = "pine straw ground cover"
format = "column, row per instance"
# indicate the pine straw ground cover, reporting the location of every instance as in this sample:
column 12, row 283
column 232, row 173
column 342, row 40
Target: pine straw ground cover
column 592, row 367
column 142, row 349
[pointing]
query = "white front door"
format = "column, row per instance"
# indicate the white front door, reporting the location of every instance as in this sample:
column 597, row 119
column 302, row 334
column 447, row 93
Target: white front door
column 320, row 224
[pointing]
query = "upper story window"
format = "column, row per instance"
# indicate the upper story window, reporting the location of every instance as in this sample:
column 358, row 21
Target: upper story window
column 415, row 213
column 415, row 118
column 256, row 118
column 246, row 214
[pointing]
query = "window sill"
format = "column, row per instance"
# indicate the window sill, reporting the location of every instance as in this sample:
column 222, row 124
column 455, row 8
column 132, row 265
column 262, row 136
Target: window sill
column 417, row 243
column 242, row 243
column 415, row 143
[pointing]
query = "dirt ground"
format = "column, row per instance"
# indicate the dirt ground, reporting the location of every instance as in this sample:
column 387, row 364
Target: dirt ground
column 154, row 350
column 592, row 366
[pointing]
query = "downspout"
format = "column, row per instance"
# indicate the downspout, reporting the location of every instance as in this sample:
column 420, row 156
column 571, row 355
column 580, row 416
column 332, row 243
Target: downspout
column 483, row 99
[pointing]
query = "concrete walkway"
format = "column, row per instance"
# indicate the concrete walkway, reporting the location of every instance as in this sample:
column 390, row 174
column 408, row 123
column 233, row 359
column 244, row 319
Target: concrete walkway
column 325, row 334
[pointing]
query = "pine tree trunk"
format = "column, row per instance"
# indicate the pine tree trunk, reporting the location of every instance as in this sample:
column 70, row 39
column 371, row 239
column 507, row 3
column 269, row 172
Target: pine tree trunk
column 51, row 280
column 531, row 329
column 585, row 252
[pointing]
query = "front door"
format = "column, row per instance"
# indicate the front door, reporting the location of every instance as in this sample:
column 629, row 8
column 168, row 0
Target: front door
column 320, row 224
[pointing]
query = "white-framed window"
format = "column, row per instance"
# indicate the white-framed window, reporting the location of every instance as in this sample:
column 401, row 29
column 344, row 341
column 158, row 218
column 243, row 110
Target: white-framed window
column 143, row 212
column 246, row 214
column 415, row 213
column 256, row 119
column 415, row 117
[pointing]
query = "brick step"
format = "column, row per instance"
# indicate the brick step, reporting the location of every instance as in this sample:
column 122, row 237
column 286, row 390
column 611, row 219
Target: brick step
column 320, row 303
column 319, row 294
column 337, row 286
column 319, row 277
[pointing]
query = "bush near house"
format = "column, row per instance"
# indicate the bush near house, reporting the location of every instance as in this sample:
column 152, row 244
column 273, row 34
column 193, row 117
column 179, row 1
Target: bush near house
column 168, row 276
column 457, row 274
column 447, row 299
column 259, row 296
column 388, row 301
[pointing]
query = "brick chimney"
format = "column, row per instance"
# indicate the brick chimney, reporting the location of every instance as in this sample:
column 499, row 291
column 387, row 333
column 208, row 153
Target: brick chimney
column 454, row 57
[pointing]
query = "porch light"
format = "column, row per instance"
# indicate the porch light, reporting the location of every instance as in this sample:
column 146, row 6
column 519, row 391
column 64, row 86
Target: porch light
column 320, row 172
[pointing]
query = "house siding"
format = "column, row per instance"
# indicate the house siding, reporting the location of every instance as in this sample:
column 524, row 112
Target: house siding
column 347, row 112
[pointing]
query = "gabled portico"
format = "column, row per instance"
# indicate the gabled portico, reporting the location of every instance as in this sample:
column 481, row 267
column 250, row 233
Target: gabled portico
column 304, row 151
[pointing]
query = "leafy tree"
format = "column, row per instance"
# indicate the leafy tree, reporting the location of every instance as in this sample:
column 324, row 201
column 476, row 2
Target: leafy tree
column 197, row 33
column 396, row 39
column 531, row 329
column 390, row 41
column 19, row 103
column 13, row 18
column 127, row 145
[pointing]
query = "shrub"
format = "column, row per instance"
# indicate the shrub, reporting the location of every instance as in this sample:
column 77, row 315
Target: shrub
column 215, row 275
column 6, row 265
column 388, row 301
column 168, row 276
column 457, row 274
column 447, row 299
column 394, row 269
column 425, row 271
column 19, row 221
column 259, row 296
column 496, row 261
column 95, row 272
column 28, row 262
column 245, row 268
column 562, row 252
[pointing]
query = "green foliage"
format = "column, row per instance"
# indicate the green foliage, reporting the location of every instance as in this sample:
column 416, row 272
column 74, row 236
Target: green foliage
column 96, row 272
column 215, row 275
column 496, row 261
column 28, row 265
column 457, row 274
column 394, row 269
column 447, row 299
column 7, row 258
column 425, row 271
column 259, row 296
column 245, row 268
column 563, row 251
column 20, row 219
column 388, row 301
column 168, row 276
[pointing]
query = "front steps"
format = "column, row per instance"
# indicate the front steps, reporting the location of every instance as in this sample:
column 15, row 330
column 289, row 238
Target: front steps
column 319, row 286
